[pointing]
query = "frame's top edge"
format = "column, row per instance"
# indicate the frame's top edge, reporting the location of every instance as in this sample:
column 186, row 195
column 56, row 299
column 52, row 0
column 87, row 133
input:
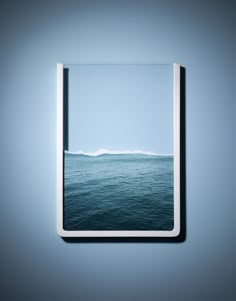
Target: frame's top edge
column 118, row 63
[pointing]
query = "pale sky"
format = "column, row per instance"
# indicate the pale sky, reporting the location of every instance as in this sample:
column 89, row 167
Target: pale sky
column 120, row 107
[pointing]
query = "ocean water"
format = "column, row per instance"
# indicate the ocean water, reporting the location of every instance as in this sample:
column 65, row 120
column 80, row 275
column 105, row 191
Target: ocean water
column 118, row 192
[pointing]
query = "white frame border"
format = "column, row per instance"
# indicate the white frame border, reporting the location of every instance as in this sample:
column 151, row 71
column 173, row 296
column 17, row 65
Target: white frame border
column 60, row 166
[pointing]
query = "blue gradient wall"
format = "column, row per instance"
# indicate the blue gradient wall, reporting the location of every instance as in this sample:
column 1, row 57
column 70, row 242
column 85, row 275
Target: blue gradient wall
column 36, row 264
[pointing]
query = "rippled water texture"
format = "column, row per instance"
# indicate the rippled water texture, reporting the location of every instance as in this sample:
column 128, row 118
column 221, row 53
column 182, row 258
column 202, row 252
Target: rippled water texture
column 118, row 192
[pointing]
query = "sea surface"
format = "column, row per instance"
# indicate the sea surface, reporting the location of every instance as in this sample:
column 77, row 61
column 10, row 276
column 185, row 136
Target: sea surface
column 118, row 192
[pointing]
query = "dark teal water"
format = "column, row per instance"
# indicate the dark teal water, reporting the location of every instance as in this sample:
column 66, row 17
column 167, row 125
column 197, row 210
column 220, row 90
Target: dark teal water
column 118, row 192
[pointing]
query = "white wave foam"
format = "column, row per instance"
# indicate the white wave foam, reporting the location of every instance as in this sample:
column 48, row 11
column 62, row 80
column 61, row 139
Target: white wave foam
column 103, row 151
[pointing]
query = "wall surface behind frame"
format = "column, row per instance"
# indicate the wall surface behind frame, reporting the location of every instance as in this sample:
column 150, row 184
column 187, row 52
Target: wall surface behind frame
column 36, row 264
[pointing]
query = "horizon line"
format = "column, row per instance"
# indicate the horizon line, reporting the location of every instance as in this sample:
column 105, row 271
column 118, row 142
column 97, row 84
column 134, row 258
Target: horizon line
column 102, row 151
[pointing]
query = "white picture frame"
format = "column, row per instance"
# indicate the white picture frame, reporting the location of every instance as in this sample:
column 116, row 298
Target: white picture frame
column 175, row 232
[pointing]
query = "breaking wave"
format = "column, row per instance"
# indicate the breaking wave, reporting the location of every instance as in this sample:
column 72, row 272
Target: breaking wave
column 103, row 151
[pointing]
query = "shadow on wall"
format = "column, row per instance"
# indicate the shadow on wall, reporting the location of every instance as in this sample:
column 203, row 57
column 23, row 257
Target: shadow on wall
column 183, row 231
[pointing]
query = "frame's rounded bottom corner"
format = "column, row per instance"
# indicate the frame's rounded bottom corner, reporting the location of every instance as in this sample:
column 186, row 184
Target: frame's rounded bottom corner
column 176, row 232
column 61, row 232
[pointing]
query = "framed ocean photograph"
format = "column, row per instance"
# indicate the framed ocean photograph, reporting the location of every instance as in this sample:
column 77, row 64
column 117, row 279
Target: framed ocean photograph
column 118, row 150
